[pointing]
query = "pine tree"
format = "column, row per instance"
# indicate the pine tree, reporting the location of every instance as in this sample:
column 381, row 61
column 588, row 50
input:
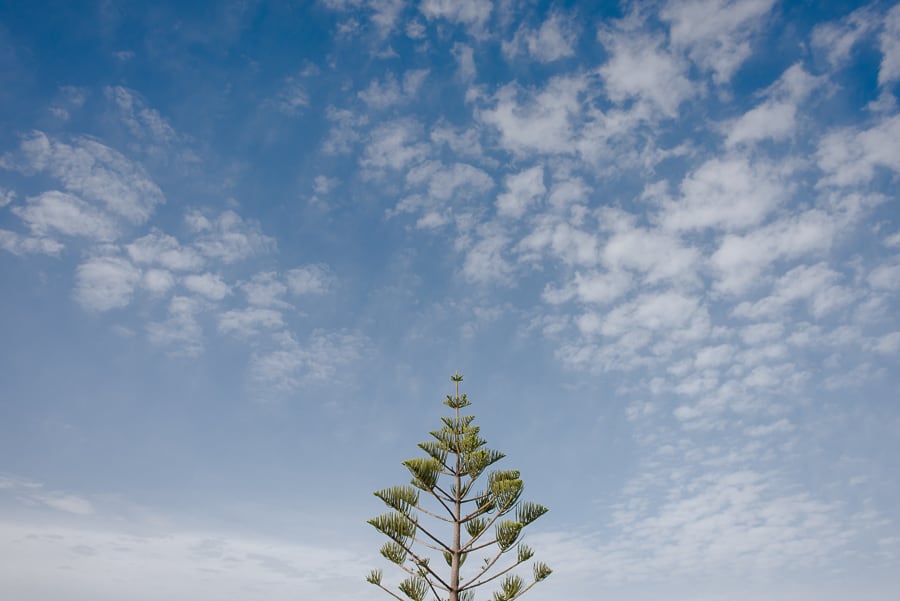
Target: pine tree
column 495, row 512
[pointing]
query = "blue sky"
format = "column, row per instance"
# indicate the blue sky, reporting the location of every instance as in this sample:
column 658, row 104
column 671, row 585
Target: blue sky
column 243, row 246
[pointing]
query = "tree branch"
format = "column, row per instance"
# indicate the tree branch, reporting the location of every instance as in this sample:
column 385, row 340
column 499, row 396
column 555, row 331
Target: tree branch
column 497, row 575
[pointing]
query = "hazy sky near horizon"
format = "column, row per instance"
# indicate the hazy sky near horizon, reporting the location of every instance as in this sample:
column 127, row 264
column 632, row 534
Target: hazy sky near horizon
column 244, row 244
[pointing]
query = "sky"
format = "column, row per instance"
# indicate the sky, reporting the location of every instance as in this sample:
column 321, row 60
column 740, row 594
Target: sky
column 244, row 244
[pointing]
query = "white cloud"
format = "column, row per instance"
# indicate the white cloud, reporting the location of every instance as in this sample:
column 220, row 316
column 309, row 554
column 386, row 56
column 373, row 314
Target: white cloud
column 558, row 238
column 465, row 61
column 157, row 248
column 181, row 331
column 553, row 40
column 310, row 279
column 388, row 92
column 592, row 287
column 889, row 39
column 640, row 68
column 6, row 196
column 651, row 311
column 344, row 133
column 228, row 237
column 209, row 285
column 58, row 212
column 717, row 34
column 446, row 182
column 463, row 142
column 265, row 289
column 837, row 39
column 885, row 277
column 657, row 253
column 92, row 171
column 74, row 562
column 484, row 260
column 540, row 121
column 323, row 357
column 157, row 281
column 292, row 98
column 741, row 260
column 729, row 193
column 776, row 118
column 143, row 122
column 394, row 146
column 471, row 13
column 851, row 155
column 104, row 283
column 21, row 245
column 815, row 284
column 523, row 189
column 64, row 502
column 249, row 322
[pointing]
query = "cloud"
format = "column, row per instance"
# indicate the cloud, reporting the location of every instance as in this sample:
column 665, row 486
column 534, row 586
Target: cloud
column 322, row 358
column 484, row 260
column 228, row 237
column 208, row 285
column 380, row 95
column 265, row 289
column 33, row 493
column 105, row 283
column 74, row 562
column 465, row 60
column 742, row 259
column 66, row 503
column 729, row 193
column 522, row 190
column 851, row 155
column 291, row 98
column 776, row 117
column 180, row 331
column 553, row 40
column 838, row 38
column 716, row 34
column 6, row 196
column 92, row 171
column 157, row 281
column 392, row 146
column 815, row 284
column 20, row 245
column 157, row 248
column 889, row 40
column 640, row 68
column 539, row 121
column 56, row 212
column 249, row 322
column 310, row 279
column 472, row 14
column 144, row 123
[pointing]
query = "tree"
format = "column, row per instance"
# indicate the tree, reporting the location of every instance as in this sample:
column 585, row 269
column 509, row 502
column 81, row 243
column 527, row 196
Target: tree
column 459, row 455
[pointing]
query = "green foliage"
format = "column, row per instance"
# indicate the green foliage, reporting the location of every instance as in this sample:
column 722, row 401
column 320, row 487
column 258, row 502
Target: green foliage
column 395, row 526
column 509, row 588
column 394, row 552
column 476, row 526
column 374, row 577
column 424, row 472
column 401, row 498
column 523, row 553
column 457, row 453
column 541, row 571
column 507, row 533
column 414, row 587
column 528, row 512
